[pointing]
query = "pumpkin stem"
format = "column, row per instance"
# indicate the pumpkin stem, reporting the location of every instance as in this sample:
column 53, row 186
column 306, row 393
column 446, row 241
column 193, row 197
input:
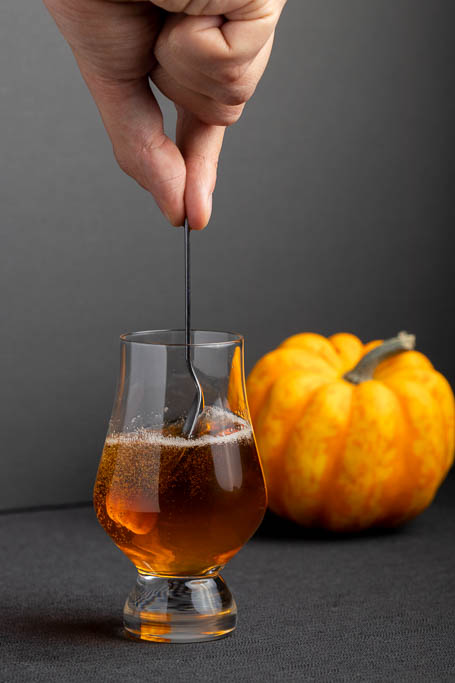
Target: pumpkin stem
column 364, row 370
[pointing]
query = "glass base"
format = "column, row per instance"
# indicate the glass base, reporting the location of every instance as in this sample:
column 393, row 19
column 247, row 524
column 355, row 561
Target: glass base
column 179, row 610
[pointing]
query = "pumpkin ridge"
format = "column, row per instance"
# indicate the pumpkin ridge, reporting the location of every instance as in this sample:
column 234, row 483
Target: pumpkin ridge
column 334, row 467
column 317, row 345
column 276, row 501
column 285, row 442
column 450, row 429
column 343, row 344
column 398, row 500
column 330, row 398
column 412, row 507
column 425, row 378
column 410, row 482
column 402, row 362
column 393, row 494
column 267, row 372
column 363, row 490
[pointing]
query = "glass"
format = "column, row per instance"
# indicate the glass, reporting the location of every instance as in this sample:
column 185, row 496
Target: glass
column 180, row 508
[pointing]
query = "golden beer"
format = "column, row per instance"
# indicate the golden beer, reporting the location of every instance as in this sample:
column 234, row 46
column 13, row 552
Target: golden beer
column 181, row 507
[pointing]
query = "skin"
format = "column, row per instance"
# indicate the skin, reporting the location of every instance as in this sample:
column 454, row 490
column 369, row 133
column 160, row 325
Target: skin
column 207, row 56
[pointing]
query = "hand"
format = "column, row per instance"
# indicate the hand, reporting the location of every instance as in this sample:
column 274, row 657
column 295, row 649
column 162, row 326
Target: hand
column 205, row 55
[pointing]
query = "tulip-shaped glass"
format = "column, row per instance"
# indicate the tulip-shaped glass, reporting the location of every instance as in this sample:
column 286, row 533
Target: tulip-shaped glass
column 179, row 507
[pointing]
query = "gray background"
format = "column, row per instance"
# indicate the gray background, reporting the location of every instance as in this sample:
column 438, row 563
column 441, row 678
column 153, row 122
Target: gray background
column 333, row 212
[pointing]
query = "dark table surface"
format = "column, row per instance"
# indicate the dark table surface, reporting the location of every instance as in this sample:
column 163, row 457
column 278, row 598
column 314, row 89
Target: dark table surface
column 377, row 607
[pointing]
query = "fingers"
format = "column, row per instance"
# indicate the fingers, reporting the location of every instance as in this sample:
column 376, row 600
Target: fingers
column 205, row 108
column 181, row 177
column 210, row 67
column 220, row 49
column 200, row 145
column 133, row 120
column 207, row 56
column 200, row 6
column 225, row 90
column 235, row 9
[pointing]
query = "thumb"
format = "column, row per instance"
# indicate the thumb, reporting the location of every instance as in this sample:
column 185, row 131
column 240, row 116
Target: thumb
column 200, row 145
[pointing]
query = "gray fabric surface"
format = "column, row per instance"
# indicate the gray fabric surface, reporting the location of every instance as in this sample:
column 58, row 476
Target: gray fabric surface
column 374, row 608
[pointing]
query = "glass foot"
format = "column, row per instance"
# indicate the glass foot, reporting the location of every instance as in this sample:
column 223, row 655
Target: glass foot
column 179, row 610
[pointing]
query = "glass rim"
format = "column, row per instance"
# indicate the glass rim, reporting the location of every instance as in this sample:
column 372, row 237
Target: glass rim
column 135, row 338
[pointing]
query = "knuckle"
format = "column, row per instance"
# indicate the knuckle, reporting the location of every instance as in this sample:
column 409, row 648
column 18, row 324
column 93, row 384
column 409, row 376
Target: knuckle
column 167, row 46
column 124, row 162
column 175, row 40
column 133, row 158
column 233, row 116
column 146, row 147
column 236, row 94
column 223, row 115
column 230, row 73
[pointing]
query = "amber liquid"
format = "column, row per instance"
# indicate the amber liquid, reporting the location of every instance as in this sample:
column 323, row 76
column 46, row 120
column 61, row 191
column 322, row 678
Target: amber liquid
column 179, row 507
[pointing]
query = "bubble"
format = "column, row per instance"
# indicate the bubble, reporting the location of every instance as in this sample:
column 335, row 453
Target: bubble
column 223, row 428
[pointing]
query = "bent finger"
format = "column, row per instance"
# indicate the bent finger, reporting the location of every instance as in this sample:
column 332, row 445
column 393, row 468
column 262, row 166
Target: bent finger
column 228, row 92
column 206, row 109
column 211, row 45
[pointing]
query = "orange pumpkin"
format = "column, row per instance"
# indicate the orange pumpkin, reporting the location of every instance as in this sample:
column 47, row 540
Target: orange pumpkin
column 345, row 449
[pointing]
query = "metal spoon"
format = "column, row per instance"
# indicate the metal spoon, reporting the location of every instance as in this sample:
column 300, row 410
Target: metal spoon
column 197, row 406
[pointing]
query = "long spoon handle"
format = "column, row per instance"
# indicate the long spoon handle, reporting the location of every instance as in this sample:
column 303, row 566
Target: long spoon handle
column 187, row 290
column 189, row 428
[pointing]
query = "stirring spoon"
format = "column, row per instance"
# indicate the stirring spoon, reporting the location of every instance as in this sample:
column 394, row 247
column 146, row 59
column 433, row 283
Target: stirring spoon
column 197, row 406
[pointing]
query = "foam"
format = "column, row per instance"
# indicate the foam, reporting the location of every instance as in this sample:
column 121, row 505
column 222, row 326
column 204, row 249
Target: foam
column 154, row 438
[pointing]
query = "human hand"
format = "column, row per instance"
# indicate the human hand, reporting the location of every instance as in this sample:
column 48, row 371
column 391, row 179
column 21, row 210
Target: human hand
column 207, row 56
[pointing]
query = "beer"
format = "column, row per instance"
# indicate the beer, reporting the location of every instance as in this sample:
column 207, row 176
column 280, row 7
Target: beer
column 181, row 507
